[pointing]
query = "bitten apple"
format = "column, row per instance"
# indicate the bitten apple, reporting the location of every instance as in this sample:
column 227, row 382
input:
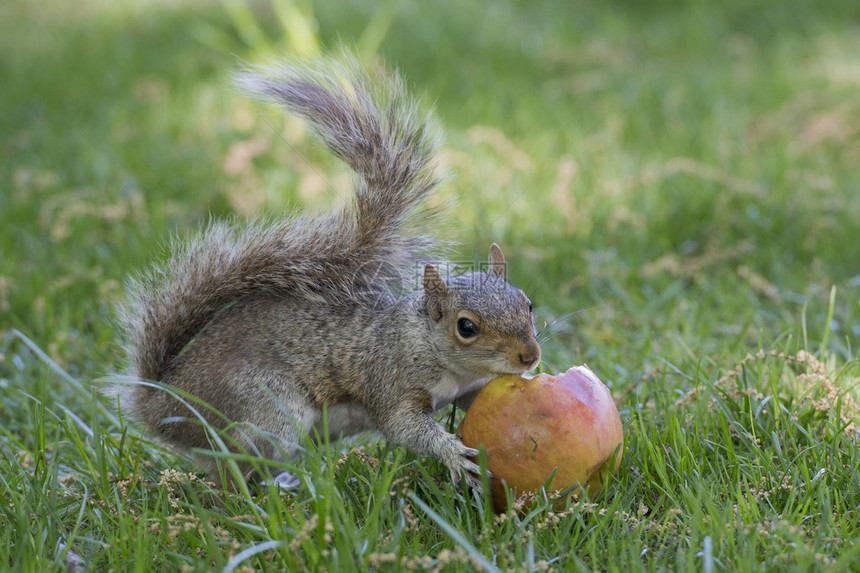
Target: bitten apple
column 532, row 426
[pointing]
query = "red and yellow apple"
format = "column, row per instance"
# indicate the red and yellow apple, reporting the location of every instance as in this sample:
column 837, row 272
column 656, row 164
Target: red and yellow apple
column 532, row 427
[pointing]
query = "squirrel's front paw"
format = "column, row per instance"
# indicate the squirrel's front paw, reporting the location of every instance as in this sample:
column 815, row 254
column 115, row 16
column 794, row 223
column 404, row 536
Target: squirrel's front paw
column 457, row 460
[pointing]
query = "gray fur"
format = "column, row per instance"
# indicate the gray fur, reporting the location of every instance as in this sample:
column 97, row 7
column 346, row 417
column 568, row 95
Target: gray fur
column 270, row 322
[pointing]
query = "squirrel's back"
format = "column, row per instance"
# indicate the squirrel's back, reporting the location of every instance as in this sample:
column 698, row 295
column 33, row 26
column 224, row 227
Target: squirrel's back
column 380, row 134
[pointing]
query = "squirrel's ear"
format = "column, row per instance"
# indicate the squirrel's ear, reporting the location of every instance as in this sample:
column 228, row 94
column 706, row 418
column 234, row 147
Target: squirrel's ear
column 434, row 289
column 497, row 261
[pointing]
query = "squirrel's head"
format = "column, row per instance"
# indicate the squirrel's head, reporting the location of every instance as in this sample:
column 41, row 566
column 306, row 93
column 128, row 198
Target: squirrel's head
column 484, row 322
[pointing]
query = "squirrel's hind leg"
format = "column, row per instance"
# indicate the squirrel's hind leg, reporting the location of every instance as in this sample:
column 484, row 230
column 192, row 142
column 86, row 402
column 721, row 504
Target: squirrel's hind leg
column 274, row 418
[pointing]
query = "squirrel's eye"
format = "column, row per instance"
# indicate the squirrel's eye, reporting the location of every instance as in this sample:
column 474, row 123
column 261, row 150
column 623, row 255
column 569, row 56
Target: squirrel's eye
column 466, row 328
column 530, row 305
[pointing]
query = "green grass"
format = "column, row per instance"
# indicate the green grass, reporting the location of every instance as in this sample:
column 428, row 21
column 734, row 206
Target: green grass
column 680, row 175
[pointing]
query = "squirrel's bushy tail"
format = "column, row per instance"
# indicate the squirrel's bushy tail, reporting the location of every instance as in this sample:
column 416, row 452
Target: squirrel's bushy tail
column 370, row 124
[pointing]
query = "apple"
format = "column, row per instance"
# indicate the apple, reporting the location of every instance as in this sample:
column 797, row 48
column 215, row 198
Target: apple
column 532, row 427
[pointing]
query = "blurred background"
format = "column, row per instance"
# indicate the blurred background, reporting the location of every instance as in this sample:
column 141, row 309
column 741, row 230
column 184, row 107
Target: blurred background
column 673, row 183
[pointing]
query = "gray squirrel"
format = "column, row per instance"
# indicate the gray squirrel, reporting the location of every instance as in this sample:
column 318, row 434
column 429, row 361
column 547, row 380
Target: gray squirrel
column 268, row 323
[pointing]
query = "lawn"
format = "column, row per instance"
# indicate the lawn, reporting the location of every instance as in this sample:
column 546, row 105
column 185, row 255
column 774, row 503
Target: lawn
column 676, row 185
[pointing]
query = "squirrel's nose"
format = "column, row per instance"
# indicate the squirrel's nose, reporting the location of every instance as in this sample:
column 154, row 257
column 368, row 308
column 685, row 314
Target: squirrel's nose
column 530, row 357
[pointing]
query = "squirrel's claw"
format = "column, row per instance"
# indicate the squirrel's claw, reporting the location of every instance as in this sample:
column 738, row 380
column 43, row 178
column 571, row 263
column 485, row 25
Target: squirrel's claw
column 463, row 470
column 467, row 477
